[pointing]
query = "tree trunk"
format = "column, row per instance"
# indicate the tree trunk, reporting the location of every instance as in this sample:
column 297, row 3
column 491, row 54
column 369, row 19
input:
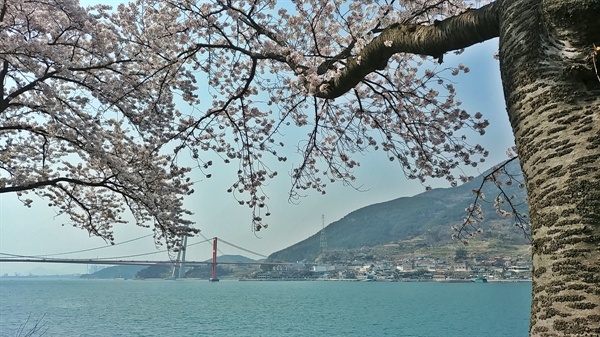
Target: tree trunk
column 553, row 98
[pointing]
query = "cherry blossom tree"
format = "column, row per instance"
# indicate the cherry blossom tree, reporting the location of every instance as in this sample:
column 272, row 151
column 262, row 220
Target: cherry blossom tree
column 351, row 73
column 355, row 75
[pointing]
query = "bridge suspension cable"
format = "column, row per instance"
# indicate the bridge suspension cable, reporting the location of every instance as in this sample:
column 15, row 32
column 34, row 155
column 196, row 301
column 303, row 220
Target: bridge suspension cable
column 144, row 254
column 127, row 256
column 83, row 250
column 98, row 258
column 240, row 248
column 44, row 256
column 20, row 256
column 207, row 239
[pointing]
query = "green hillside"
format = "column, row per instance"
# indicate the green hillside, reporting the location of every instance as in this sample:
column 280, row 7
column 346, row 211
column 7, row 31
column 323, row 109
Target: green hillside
column 424, row 218
column 204, row 272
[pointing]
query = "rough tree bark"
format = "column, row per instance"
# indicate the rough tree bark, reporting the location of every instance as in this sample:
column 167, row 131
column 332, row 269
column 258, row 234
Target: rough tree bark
column 553, row 101
column 549, row 62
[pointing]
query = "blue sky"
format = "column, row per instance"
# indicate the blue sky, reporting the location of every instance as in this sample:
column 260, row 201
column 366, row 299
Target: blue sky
column 35, row 231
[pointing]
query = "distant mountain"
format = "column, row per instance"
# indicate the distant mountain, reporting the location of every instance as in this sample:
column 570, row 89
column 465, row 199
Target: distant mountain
column 156, row 271
column 127, row 272
column 427, row 215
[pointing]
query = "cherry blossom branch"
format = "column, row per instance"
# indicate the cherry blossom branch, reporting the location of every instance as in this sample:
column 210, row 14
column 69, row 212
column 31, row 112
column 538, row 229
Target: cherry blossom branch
column 89, row 224
column 475, row 214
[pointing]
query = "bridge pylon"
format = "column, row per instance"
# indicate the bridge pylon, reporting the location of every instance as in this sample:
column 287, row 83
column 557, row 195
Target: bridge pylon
column 213, row 275
column 179, row 267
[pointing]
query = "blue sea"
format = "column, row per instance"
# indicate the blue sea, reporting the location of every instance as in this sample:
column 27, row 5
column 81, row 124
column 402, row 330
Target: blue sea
column 268, row 308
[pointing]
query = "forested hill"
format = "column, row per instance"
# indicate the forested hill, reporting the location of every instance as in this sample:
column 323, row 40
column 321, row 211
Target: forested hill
column 428, row 215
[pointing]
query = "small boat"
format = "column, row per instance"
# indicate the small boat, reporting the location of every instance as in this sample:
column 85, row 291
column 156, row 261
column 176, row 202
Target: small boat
column 480, row 280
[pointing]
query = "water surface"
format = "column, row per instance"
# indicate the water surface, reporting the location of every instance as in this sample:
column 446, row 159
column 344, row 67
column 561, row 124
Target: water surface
column 233, row 308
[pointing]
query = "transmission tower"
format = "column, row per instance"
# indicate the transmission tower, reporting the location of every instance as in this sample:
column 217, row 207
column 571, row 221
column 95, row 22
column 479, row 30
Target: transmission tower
column 323, row 236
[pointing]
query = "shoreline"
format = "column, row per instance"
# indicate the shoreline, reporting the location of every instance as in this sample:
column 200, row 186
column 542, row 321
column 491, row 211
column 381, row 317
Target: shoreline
column 385, row 280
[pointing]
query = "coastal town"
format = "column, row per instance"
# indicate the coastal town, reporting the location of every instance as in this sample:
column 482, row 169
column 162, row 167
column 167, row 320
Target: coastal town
column 482, row 268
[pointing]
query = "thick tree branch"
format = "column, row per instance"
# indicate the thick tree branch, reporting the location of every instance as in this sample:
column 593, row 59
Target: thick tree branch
column 471, row 27
column 4, row 103
column 53, row 182
column 3, row 11
column 3, row 74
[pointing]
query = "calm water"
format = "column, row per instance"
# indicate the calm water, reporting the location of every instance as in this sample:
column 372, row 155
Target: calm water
column 233, row 308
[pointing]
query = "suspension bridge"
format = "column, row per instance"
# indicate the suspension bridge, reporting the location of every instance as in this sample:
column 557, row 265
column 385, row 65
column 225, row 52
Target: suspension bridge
column 178, row 264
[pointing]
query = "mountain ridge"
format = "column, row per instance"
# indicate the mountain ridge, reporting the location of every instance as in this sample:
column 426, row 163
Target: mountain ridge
column 427, row 215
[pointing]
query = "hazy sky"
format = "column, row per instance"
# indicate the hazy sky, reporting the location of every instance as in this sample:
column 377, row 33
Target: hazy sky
column 35, row 231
